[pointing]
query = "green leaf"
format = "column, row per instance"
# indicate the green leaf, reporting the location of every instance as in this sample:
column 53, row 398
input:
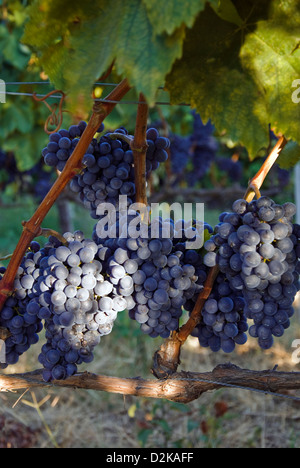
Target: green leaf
column 16, row 117
column 271, row 54
column 27, row 149
column 228, row 12
column 77, row 42
column 211, row 78
column 290, row 155
column 169, row 15
column 10, row 47
column 51, row 22
column 144, row 59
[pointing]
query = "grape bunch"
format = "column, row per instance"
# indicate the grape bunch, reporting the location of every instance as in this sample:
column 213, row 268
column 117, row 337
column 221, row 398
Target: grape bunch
column 155, row 273
column 199, row 154
column 78, row 304
column 108, row 164
column 193, row 155
column 257, row 249
column 77, row 287
column 20, row 315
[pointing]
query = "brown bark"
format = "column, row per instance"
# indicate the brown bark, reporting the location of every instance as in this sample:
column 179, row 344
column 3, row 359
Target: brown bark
column 182, row 387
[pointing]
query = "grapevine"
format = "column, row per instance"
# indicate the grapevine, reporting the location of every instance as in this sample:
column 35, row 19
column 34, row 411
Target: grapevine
column 75, row 287
column 242, row 277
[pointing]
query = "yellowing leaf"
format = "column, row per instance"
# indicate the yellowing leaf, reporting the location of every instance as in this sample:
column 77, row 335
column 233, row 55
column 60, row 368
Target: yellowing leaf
column 132, row 411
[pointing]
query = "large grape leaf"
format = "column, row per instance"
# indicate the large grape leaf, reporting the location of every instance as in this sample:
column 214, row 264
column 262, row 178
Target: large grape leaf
column 77, row 42
column 210, row 77
column 238, row 67
column 271, row 54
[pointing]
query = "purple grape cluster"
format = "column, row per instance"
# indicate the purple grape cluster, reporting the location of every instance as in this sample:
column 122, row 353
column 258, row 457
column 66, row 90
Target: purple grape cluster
column 257, row 249
column 20, row 314
column 203, row 149
column 108, row 164
column 179, row 155
column 233, row 168
column 156, row 275
column 197, row 155
column 78, row 304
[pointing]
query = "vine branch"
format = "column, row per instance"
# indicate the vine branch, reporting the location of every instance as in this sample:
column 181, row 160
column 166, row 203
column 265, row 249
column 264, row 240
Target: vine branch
column 256, row 183
column 182, row 387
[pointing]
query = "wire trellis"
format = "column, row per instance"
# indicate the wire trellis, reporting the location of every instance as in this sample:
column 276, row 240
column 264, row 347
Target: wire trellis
column 54, row 96
column 157, row 103
column 27, row 83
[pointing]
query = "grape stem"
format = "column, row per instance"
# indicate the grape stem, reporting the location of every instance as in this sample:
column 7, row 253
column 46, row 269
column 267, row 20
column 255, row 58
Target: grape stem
column 32, row 228
column 45, row 232
column 256, row 183
column 139, row 148
column 138, row 145
column 120, row 136
column 167, row 358
column 7, row 257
